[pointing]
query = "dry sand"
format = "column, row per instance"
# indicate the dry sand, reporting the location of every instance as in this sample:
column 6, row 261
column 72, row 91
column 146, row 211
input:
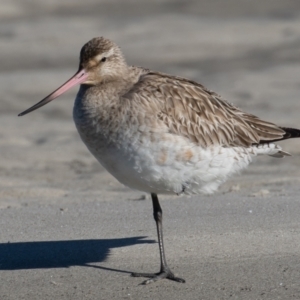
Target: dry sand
column 71, row 231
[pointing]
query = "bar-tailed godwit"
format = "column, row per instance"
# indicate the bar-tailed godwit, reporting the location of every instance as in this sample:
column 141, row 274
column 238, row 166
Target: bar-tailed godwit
column 159, row 133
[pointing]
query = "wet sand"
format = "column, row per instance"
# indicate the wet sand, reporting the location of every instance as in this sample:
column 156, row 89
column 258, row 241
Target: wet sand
column 69, row 230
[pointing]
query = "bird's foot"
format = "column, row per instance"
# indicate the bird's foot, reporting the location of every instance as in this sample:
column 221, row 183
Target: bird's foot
column 158, row 276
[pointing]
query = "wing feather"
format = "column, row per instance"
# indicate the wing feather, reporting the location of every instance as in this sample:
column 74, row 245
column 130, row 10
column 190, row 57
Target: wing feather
column 188, row 109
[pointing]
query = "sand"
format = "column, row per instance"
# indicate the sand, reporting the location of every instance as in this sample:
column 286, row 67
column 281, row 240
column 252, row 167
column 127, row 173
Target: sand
column 69, row 230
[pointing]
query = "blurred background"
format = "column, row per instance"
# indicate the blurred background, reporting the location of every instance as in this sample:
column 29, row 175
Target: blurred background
column 247, row 51
column 230, row 46
column 243, row 239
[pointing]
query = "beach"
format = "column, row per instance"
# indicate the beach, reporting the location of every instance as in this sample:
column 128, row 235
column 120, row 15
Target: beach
column 69, row 230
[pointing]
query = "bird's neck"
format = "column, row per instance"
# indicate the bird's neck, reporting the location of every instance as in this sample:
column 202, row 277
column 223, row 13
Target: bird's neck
column 100, row 104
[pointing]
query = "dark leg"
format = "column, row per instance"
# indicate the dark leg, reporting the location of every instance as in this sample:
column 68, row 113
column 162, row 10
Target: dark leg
column 165, row 272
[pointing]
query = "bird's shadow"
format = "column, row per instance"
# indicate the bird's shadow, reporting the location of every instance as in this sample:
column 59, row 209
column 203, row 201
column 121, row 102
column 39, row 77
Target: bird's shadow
column 62, row 254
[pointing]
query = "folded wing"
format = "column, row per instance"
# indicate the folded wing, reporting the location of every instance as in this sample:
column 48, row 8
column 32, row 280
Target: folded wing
column 188, row 109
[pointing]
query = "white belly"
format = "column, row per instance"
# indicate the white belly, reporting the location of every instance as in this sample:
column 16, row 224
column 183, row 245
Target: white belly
column 171, row 165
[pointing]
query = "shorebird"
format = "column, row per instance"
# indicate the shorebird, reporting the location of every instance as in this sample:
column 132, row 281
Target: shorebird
column 159, row 133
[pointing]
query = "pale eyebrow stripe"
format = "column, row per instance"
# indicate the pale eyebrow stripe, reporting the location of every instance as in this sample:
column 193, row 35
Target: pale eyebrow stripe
column 105, row 54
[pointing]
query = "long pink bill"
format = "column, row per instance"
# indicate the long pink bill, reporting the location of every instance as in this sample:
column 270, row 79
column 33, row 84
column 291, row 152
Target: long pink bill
column 79, row 77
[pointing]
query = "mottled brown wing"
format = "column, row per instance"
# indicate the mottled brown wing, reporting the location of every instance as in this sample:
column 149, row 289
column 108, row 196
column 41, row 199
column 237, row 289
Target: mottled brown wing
column 189, row 109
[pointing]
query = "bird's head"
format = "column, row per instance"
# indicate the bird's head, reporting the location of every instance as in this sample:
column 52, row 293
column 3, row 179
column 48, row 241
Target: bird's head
column 101, row 61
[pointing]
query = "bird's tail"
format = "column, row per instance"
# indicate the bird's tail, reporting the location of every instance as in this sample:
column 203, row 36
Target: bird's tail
column 275, row 150
column 290, row 133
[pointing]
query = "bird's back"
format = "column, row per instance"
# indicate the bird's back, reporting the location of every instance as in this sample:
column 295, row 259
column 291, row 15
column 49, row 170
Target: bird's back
column 189, row 109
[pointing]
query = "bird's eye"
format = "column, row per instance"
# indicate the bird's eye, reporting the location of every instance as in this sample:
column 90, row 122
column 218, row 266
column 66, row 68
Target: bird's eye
column 103, row 59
